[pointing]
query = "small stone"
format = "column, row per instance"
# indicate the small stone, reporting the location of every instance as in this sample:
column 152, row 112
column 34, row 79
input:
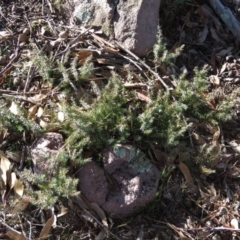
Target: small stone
column 46, row 149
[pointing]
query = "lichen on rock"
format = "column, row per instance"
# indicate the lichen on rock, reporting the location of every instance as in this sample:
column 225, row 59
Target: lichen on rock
column 137, row 159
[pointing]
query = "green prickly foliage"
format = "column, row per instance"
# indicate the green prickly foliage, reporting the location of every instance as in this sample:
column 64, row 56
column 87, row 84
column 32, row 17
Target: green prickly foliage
column 111, row 118
column 103, row 122
column 50, row 186
column 16, row 123
column 117, row 116
column 194, row 95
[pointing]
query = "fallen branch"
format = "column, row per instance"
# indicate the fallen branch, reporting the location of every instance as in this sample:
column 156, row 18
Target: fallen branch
column 135, row 85
column 227, row 17
column 144, row 64
column 12, row 229
column 81, row 198
column 199, row 229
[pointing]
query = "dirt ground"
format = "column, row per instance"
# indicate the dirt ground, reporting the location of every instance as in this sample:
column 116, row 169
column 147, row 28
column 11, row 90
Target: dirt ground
column 176, row 212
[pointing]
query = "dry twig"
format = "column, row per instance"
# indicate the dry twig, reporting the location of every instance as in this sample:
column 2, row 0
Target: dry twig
column 144, row 64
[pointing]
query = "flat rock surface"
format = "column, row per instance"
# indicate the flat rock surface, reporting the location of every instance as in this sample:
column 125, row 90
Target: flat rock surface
column 127, row 182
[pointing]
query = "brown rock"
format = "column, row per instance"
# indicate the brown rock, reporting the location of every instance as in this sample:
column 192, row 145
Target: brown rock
column 44, row 151
column 129, row 182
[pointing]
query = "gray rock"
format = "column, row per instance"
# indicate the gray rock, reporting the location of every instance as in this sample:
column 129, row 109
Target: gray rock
column 90, row 12
column 44, row 151
column 127, row 182
column 134, row 24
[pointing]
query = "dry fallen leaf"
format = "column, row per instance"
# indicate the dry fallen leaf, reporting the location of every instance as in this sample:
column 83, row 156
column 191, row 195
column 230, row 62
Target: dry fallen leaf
column 223, row 53
column 224, row 67
column 214, row 80
column 18, row 188
column 14, row 155
column 32, row 112
column 101, row 236
column 23, row 38
column 210, row 195
column 3, row 134
column 203, row 35
column 216, row 135
column 84, row 55
column 182, row 236
column 185, row 171
column 20, row 205
column 38, row 98
column 5, row 35
column 100, row 213
column 14, row 235
column 12, row 180
column 110, row 50
column 5, row 166
column 199, row 140
column 234, row 145
column 215, row 36
column 43, row 124
column 234, row 173
column 103, row 61
column 209, row 14
column 143, row 97
column 160, row 156
column 47, row 227
column 63, row 211
column 63, row 34
column 79, row 200
column 213, row 197
column 39, row 112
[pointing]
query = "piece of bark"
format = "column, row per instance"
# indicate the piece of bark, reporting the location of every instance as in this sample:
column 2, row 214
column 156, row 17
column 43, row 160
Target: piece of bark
column 227, row 17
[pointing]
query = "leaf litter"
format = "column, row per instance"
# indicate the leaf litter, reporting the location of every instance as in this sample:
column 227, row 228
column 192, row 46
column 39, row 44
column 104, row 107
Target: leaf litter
column 213, row 198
